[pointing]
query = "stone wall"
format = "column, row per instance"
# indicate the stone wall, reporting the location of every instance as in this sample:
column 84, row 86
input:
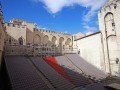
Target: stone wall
column 14, row 33
column 109, row 24
column 90, row 48
column 2, row 35
column 31, row 34
column 27, row 33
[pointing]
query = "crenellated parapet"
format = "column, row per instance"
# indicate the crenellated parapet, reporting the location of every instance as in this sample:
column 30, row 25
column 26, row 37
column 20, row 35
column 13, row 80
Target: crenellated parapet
column 15, row 25
column 51, row 32
column 22, row 24
column 110, row 6
column 109, row 17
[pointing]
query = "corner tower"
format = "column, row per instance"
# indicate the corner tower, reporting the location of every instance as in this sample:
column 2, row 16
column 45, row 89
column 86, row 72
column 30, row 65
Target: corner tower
column 109, row 25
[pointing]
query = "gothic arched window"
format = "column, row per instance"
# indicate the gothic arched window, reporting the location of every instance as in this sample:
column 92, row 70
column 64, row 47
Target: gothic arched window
column 109, row 24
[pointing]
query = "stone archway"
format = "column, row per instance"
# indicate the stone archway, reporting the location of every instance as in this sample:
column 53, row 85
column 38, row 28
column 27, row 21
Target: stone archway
column 54, row 39
column 68, row 42
column 61, row 40
column 37, row 39
column 46, row 39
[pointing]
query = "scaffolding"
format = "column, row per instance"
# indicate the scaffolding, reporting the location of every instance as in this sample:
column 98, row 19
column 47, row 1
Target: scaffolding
column 38, row 50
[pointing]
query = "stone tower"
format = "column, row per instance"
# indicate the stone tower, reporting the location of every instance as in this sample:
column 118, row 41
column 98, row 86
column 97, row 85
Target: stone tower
column 109, row 25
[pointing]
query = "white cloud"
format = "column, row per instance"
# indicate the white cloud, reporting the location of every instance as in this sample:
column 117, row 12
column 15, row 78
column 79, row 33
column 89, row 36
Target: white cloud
column 55, row 6
column 87, row 17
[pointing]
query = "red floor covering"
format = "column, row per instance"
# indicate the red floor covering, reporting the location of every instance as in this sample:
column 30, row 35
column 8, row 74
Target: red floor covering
column 54, row 64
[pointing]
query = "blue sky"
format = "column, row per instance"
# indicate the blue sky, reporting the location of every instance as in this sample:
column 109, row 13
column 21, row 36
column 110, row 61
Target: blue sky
column 69, row 16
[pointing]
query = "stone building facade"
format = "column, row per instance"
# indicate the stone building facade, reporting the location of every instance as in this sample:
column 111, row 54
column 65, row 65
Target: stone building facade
column 90, row 48
column 30, row 34
column 103, row 49
column 21, row 32
column 2, row 34
column 109, row 24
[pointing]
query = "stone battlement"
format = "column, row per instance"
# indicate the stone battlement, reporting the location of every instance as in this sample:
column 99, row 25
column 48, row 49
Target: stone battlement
column 22, row 24
column 15, row 25
column 110, row 5
column 52, row 32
